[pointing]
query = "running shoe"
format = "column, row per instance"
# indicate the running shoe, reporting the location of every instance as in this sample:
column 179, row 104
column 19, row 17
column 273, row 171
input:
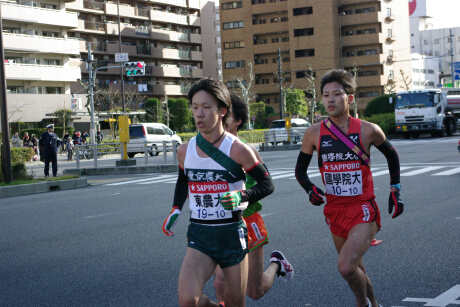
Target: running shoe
column 285, row 269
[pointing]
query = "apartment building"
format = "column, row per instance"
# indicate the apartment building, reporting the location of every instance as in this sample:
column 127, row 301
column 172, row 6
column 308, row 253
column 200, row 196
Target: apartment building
column 211, row 39
column 371, row 35
column 165, row 34
column 39, row 59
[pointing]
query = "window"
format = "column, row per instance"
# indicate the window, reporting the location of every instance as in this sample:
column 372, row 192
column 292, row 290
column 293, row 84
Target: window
column 53, row 90
column 416, row 70
column 426, row 42
column 234, row 64
column 388, row 12
column 390, row 33
column 369, row 10
column 232, row 5
column 303, row 11
column 48, row 6
column 435, row 41
column 391, row 75
column 303, row 32
column 258, row 1
column 51, row 62
column 372, row 94
column 368, row 73
column 304, row 73
column 233, row 25
column 365, row 31
column 390, row 53
column 285, row 39
column 430, row 71
column 304, row 53
column 275, row 40
column 235, row 84
column 233, row 45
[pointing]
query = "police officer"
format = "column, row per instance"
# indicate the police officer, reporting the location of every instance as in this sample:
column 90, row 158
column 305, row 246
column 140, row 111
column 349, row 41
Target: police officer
column 51, row 145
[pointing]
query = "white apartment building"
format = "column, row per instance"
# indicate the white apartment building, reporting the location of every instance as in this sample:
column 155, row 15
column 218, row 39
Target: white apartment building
column 40, row 60
column 432, row 43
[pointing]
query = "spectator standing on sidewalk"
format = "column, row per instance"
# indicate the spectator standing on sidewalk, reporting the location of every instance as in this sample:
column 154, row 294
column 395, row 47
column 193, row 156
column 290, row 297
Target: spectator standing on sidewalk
column 15, row 141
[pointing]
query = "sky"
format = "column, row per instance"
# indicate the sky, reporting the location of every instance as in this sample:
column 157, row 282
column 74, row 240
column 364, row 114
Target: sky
column 446, row 13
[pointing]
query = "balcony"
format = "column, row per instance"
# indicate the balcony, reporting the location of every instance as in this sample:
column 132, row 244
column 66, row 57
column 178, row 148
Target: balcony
column 269, row 27
column 35, row 15
column 40, row 44
column 278, row 6
column 167, row 53
column 363, row 39
column 86, row 5
column 269, row 68
column 361, row 19
column 168, row 17
column 125, row 10
column 374, row 59
column 182, row 3
column 34, row 72
column 174, row 72
column 270, row 47
column 91, row 26
column 372, row 81
column 194, row 20
column 196, row 56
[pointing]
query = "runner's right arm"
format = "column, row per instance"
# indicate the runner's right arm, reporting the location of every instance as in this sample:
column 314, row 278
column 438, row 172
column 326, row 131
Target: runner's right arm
column 309, row 141
column 180, row 193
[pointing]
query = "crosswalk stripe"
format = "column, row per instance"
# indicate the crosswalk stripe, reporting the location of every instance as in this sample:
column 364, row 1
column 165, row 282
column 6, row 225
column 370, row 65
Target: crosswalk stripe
column 448, row 172
column 138, row 180
column 155, row 181
column 290, row 173
column 385, row 172
column 423, row 170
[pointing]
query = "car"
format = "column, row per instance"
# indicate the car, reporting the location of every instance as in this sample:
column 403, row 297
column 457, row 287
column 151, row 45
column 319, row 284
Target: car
column 152, row 133
column 299, row 125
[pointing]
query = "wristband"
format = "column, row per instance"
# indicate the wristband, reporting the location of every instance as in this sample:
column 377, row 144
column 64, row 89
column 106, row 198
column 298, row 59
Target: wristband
column 397, row 186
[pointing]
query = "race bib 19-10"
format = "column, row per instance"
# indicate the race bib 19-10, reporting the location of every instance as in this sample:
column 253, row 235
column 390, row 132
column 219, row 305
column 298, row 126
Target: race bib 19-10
column 349, row 183
column 204, row 200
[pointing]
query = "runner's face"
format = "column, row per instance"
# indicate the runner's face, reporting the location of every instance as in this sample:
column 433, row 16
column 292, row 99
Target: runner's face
column 336, row 100
column 232, row 126
column 206, row 112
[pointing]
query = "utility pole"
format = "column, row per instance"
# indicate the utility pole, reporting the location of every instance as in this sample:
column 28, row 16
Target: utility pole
column 6, row 154
column 310, row 76
column 280, row 85
column 451, row 36
column 121, row 69
column 91, row 93
column 355, row 100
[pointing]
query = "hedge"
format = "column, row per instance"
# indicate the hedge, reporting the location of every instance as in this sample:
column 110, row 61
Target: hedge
column 251, row 136
column 386, row 121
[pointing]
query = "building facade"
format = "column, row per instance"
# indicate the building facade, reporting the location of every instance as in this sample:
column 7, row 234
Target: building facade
column 368, row 37
column 40, row 59
column 165, row 34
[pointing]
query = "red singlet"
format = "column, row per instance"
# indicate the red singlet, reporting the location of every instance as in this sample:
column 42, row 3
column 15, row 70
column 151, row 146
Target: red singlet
column 347, row 179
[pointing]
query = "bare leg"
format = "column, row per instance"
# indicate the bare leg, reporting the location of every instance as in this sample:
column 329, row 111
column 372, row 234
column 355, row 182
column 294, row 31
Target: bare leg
column 236, row 284
column 350, row 264
column 219, row 283
column 196, row 269
column 259, row 282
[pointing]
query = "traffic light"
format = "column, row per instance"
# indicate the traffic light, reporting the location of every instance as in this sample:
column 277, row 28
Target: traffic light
column 135, row 68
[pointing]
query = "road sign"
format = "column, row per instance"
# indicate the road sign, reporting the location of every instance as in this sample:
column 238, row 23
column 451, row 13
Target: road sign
column 457, row 70
column 253, row 117
column 121, row 57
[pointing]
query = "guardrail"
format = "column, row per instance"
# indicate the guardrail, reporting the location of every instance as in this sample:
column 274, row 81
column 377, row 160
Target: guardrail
column 95, row 151
column 274, row 137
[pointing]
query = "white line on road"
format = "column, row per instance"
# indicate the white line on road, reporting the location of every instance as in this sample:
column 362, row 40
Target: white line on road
column 386, row 171
column 448, row 172
column 423, row 170
column 155, row 181
column 138, row 180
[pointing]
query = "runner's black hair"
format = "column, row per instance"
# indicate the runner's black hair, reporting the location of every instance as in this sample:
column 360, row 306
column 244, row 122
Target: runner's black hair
column 240, row 110
column 342, row 77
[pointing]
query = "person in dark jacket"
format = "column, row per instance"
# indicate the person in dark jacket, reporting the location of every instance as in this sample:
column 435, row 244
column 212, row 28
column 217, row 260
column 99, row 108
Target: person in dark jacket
column 50, row 145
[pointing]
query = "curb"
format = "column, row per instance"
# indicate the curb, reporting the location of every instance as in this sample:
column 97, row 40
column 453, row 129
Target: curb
column 94, row 171
column 42, row 187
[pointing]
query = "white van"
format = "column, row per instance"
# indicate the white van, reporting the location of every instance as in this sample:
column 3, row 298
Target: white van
column 152, row 133
column 278, row 127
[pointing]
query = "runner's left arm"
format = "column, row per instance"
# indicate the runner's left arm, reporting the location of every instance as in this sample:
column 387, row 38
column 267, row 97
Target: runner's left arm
column 239, row 200
column 393, row 165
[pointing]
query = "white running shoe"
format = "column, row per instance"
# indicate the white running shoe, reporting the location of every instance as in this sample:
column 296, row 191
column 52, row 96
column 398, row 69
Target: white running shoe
column 285, row 268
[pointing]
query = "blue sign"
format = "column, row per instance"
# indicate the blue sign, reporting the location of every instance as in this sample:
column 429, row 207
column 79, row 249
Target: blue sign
column 457, row 70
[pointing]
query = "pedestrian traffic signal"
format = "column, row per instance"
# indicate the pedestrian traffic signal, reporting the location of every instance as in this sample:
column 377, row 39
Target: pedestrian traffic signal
column 135, row 68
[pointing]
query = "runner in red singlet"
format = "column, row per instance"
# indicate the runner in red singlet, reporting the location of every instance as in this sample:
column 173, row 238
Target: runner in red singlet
column 351, row 211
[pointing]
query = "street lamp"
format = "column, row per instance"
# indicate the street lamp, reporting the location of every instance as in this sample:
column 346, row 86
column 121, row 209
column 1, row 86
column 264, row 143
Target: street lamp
column 121, row 69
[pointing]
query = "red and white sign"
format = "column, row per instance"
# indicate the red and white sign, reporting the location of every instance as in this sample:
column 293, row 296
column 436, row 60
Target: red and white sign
column 208, row 187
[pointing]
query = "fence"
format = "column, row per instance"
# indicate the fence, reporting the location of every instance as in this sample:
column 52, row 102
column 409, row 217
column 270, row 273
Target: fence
column 95, row 151
column 288, row 136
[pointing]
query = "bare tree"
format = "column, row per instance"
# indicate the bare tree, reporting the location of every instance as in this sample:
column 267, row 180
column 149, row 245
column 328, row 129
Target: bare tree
column 389, row 87
column 311, row 89
column 242, row 88
column 406, row 80
column 133, row 99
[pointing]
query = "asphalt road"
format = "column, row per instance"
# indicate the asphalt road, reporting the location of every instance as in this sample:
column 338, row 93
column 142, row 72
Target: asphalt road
column 103, row 245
